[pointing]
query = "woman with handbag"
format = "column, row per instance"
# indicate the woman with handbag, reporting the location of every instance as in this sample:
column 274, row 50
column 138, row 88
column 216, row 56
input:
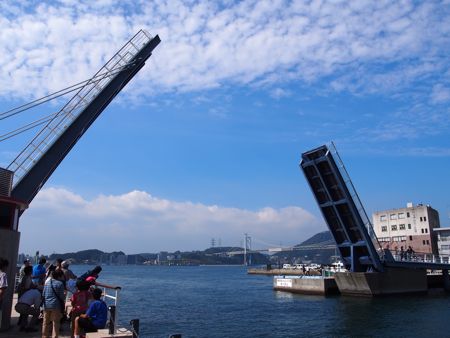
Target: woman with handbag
column 53, row 304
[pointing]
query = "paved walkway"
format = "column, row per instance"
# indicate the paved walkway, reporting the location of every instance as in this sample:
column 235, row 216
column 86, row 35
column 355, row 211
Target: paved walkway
column 14, row 332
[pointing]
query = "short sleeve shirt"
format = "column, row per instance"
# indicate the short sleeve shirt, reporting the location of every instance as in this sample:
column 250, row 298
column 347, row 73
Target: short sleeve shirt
column 38, row 270
column 98, row 312
column 3, row 280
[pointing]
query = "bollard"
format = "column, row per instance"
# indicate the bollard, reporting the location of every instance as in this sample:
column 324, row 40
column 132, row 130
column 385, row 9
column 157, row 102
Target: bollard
column 112, row 318
column 134, row 323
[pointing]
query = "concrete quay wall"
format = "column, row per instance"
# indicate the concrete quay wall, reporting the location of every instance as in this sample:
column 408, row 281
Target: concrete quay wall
column 305, row 285
column 276, row 272
column 392, row 281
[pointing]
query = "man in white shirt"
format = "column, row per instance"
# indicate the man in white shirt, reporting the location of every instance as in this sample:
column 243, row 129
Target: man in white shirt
column 29, row 304
column 3, row 278
column 3, row 283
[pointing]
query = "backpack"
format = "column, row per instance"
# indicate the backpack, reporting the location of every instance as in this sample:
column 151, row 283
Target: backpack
column 82, row 280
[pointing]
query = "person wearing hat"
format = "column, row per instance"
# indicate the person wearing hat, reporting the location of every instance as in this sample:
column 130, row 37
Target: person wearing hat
column 26, row 263
column 69, row 277
column 68, row 274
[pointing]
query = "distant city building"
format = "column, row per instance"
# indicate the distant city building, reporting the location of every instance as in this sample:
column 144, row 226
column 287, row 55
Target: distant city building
column 104, row 258
column 162, row 257
column 121, row 259
column 411, row 226
column 21, row 258
column 443, row 240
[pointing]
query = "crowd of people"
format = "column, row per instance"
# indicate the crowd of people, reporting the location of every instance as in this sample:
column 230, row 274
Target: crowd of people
column 43, row 291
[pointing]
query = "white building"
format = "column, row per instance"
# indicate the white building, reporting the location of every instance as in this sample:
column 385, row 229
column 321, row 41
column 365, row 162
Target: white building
column 411, row 226
column 443, row 240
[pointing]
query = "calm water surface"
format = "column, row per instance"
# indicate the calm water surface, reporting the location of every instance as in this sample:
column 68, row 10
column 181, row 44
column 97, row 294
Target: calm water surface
column 223, row 301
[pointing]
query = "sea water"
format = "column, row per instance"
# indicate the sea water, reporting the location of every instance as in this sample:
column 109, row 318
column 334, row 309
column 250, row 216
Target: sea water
column 224, row 301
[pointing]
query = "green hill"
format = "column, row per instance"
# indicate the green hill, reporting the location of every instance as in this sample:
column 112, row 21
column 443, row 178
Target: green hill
column 303, row 254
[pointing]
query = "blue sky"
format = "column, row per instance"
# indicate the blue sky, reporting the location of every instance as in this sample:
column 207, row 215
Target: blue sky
column 205, row 142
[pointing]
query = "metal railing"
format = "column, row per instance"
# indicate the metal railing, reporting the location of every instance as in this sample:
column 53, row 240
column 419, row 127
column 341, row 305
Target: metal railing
column 420, row 257
column 112, row 300
column 71, row 110
column 359, row 206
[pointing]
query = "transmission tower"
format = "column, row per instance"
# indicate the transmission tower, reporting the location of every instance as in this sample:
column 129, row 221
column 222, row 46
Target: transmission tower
column 213, row 242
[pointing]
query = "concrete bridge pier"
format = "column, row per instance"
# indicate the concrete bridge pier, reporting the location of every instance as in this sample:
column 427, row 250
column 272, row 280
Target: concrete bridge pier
column 9, row 248
column 10, row 209
column 389, row 282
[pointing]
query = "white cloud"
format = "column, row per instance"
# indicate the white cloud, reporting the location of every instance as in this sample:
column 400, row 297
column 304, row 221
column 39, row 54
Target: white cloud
column 62, row 221
column 440, row 94
column 426, row 152
column 365, row 46
column 278, row 93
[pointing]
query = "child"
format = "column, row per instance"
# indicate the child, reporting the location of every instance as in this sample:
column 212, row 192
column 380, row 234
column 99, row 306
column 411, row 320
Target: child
column 95, row 317
column 79, row 300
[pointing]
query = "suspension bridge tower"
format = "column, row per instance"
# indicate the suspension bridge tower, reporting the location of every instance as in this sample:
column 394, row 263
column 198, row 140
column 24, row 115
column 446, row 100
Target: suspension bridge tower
column 247, row 249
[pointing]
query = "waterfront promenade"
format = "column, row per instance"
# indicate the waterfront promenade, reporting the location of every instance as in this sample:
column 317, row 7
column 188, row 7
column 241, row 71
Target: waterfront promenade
column 14, row 332
column 64, row 332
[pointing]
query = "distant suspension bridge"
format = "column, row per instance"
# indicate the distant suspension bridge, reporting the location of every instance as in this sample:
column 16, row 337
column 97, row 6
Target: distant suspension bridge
column 247, row 250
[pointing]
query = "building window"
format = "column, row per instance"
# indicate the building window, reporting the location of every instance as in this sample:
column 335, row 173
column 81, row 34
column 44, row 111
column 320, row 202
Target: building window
column 383, row 218
column 407, row 214
column 402, row 227
column 410, row 238
column 421, row 219
column 423, row 242
column 394, row 227
column 393, row 216
column 401, row 215
column 399, row 239
column 428, row 242
column 409, row 226
column 422, row 231
column 384, row 228
column 426, row 230
column 424, row 219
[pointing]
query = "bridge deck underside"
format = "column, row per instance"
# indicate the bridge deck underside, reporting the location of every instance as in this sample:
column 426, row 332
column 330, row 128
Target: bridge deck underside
column 339, row 210
column 346, row 218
